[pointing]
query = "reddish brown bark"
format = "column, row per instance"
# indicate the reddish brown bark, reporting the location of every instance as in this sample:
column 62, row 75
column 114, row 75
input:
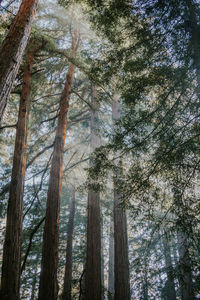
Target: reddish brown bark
column 13, row 48
column 48, row 288
column 68, row 265
column 121, row 265
column 12, row 246
column 93, row 258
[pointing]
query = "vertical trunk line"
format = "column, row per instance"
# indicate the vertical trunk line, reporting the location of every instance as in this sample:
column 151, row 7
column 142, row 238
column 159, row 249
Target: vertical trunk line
column 13, row 48
column 195, row 28
column 68, row 265
column 48, row 288
column 121, row 265
column 12, row 246
column 111, row 262
column 170, row 286
column 93, row 256
column 187, row 292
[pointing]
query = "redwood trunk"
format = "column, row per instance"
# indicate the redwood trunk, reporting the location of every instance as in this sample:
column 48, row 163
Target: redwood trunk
column 122, row 283
column 93, row 259
column 13, row 48
column 68, row 266
column 187, row 292
column 48, row 288
column 12, row 245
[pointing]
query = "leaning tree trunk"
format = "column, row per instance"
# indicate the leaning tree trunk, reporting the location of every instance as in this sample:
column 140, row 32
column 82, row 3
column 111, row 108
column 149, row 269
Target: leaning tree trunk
column 12, row 246
column 93, row 258
column 48, row 287
column 122, row 283
column 13, row 48
column 170, row 287
column 68, row 265
column 185, row 270
column 111, row 262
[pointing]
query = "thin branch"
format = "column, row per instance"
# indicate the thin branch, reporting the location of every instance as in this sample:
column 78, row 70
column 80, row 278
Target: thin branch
column 47, row 96
column 75, row 164
column 38, row 154
column 30, row 243
column 8, row 126
column 90, row 106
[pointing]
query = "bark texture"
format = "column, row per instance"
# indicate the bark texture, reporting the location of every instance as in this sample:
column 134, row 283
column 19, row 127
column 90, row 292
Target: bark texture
column 187, row 292
column 68, row 265
column 122, row 282
column 13, row 48
column 12, row 246
column 93, row 258
column 111, row 288
column 48, row 287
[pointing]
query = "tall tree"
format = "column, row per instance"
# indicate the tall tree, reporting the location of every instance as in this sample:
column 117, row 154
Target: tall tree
column 194, row 28
column 93, row 259
column 13, row 48
column 12, row 245
column 122, row 284
column 111, row 262
column 102, row 256
column 170, row 292
column 48, row 288
column 187, row 292
column 66, row 295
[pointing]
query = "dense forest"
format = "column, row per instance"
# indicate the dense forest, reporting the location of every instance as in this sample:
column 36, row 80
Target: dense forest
column 99, row 149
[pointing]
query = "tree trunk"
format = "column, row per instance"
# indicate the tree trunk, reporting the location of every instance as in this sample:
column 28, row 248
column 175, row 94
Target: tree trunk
column 146, row 285
column 102, row 258
column 122, row 283
column 13, row 48
column 12, row 246
column 82, row 285
column 194, row 27
column 68, row 265
column 48, row 288
column 111, row 262
column 187, row 292
column 93, row 257
column 170, row 286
